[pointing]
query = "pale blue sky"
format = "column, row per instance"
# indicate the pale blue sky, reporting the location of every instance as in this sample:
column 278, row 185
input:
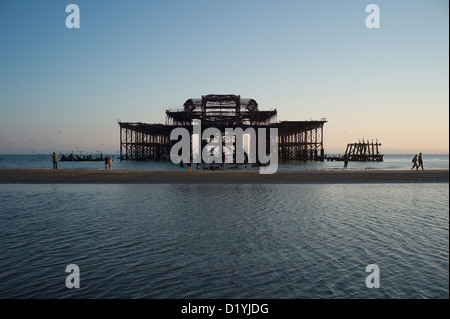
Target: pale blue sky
column 64, row 88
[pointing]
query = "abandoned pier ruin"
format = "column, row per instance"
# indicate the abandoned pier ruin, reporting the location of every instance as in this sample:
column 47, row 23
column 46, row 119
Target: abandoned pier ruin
column 297, row 140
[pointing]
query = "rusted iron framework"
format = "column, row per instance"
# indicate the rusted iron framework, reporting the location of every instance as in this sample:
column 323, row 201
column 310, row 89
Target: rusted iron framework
column 364, row 151
column 300, row 140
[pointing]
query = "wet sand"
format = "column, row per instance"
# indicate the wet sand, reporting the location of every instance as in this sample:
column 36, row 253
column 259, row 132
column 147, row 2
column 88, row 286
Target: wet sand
column 65, row 176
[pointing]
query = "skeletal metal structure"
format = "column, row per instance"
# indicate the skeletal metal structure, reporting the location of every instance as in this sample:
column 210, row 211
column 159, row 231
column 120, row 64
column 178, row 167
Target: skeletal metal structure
column 301, row 140
column 364, row 151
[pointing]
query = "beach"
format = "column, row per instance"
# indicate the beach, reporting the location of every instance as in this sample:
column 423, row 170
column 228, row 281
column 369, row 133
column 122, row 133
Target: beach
column 77, row 176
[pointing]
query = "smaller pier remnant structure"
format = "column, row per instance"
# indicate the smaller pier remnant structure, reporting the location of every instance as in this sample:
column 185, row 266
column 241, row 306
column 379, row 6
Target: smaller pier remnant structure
column 364, row 151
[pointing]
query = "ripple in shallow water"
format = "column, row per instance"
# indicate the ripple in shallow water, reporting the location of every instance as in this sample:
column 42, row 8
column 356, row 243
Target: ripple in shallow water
column 224, row 241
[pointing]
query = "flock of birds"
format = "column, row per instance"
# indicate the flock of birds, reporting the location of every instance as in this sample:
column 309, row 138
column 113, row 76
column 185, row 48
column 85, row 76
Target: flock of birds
column 32, row 150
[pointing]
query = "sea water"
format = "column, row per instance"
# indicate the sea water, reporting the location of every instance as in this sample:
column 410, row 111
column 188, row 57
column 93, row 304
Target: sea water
column 391, row 161
column 224, row 241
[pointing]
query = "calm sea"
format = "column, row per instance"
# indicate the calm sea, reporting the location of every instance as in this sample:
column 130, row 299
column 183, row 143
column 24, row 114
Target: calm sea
column 43, row 161
column 224, row 241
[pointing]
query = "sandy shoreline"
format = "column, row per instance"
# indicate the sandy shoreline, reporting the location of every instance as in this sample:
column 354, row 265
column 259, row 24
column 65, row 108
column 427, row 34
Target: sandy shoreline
column 65, row 176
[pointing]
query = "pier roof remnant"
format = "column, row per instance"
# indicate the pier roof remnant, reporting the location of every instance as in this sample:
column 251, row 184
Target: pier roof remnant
column 229, row 109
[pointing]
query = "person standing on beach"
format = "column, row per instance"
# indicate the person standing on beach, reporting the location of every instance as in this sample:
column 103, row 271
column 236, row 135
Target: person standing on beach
column 345, row 162
column 223, row 161
column 106, row 162
column 420, row 162
column 190, row 162
column 55, row 160
column 109, row 162
column 414, row 160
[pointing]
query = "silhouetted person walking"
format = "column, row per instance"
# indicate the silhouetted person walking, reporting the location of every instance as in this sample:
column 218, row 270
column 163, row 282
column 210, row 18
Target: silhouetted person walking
column 420, row 162
column 55, row 160
column 223, row 160
column 190, row 162
column 414, row 160
column 345, row 162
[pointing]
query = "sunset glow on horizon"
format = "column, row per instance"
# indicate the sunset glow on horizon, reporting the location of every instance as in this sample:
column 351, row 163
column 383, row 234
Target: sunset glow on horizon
column 64, row 90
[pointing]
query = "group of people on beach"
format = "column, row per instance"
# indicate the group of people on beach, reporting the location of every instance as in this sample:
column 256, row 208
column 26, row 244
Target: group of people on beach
column 108, row 162
column 191, row 159
column 417, row 162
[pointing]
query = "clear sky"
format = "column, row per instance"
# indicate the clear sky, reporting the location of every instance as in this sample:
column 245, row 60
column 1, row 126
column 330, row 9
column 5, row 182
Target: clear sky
column 65, row 88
